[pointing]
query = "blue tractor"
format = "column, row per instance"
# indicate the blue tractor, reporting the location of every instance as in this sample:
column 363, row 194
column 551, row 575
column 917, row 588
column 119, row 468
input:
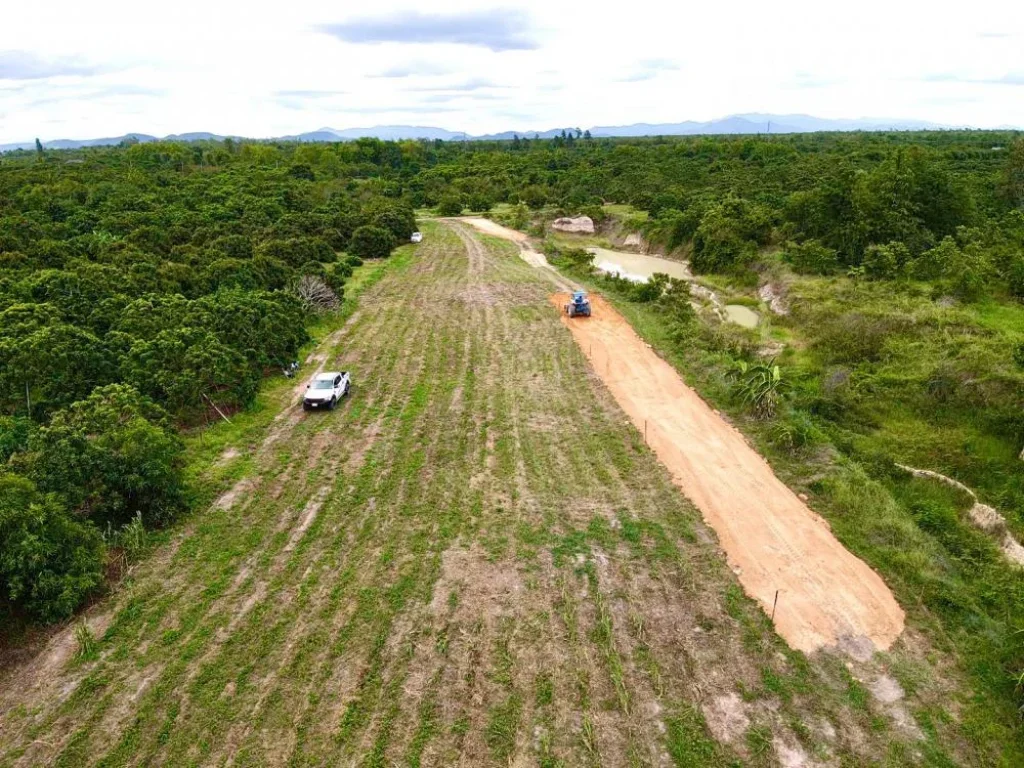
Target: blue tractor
column 579, row 305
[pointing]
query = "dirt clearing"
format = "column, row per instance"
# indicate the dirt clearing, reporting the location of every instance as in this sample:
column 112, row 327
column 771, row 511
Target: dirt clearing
column 527, row 252
column 827, row 597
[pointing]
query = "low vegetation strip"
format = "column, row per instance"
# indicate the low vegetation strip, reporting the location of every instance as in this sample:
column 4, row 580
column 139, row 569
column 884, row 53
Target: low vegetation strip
column 778, row 547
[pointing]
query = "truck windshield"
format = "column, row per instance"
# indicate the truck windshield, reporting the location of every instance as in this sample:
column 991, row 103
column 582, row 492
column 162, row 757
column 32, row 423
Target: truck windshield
column 323, row 384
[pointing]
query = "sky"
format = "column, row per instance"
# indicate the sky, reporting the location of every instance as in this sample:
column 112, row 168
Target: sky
column 261, row 69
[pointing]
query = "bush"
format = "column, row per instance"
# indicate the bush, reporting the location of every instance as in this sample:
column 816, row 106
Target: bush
column 371, row 242
column 855, row 338
column 315, row 293
column 296, row 251
column 760, row 386
column 885, row 262
column 794, row 431
column 964, row 271
column 111, row 456
column 449, row 205
column 58, row 363
column 396, row 218
column 15, row 432
column 1015, row 277
column 811, row 258
column 481, row 203
column 49, row 562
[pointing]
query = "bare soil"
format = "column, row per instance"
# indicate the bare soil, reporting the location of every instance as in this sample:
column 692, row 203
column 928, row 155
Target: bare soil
column 774, row 542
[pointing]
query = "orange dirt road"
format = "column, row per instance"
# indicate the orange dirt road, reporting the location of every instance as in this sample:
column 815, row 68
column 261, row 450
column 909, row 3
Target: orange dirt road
column 827, row 596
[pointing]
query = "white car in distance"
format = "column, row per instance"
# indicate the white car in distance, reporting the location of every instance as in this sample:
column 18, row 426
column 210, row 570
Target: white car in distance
column 417, row 237
column 325, row 390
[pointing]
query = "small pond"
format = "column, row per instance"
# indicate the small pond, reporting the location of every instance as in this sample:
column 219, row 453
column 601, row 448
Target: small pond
column 741, row 315
column 638, row 267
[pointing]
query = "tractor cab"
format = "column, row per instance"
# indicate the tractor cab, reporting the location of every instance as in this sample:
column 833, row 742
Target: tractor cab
column 579, row 305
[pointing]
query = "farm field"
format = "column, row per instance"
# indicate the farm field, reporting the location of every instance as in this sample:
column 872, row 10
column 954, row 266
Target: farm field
column 474, row 561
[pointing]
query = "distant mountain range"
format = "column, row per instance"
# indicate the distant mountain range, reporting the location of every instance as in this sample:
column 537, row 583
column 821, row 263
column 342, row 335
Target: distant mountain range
column 733, row 124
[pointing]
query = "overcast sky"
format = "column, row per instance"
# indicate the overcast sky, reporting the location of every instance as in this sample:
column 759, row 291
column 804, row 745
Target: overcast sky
column 106, row 67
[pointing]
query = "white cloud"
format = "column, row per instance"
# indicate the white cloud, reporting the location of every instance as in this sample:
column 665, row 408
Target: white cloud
column 250, row 68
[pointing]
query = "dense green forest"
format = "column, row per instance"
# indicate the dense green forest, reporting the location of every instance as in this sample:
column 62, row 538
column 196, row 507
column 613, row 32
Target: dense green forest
column 142, row 288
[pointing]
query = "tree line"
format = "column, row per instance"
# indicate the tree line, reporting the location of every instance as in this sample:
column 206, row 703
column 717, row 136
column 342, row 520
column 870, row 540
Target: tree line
column 142, row 289
column 143, row 285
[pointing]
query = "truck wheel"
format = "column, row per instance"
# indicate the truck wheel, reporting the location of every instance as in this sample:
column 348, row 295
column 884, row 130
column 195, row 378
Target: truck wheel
column 334, row 402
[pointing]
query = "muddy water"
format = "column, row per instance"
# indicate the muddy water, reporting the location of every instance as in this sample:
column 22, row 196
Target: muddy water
column 638, row 267
column 741, row 315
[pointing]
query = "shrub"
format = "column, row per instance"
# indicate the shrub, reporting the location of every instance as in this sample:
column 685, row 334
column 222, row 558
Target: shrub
column 296, row 251
column 111, row 456
column 885, row 262
column 450, row 205
column 58, row 364
column 577, row 258
column 15, row 432
column 49, row 562
column 396, row 218
column 965, row 271
column 854, row 337
column 811, row 258
column 315, row 294
column 1015, row 277
column 480, row 202
column 793, row 432
column 371, row 242
column 519, row 218
column 760, row 386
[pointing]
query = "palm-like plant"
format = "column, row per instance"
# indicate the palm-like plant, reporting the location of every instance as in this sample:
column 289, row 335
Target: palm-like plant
column 760, row 386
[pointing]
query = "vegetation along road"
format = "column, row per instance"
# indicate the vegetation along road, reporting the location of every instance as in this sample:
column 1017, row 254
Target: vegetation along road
column 474, row 561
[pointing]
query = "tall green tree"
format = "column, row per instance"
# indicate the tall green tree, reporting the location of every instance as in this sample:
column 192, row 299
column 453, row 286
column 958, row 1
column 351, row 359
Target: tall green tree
column 111, row 456
column 49, row 560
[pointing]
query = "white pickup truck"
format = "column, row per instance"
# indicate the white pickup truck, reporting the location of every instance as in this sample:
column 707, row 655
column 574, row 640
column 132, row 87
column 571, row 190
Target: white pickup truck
column 326, row 389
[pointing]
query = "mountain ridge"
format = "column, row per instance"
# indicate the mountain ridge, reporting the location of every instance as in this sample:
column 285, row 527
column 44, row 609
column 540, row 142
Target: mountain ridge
column 738, row 124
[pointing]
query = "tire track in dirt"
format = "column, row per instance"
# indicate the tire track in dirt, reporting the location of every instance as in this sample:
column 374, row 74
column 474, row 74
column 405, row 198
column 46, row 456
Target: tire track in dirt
column 261, row 587
column 277, row 684
column 293, row 633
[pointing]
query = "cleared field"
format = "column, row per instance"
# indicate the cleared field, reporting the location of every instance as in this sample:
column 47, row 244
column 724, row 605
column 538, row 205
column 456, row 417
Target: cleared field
column 474, row 561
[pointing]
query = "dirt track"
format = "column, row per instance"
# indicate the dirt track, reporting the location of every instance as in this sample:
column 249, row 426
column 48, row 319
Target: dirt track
column 527, row 252
column 827, row 597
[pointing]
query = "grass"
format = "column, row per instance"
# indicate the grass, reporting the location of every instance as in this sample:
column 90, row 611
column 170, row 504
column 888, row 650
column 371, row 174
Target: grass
column 475, row 559
column 952, row 580
column 87, row 647
column 689, row 745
